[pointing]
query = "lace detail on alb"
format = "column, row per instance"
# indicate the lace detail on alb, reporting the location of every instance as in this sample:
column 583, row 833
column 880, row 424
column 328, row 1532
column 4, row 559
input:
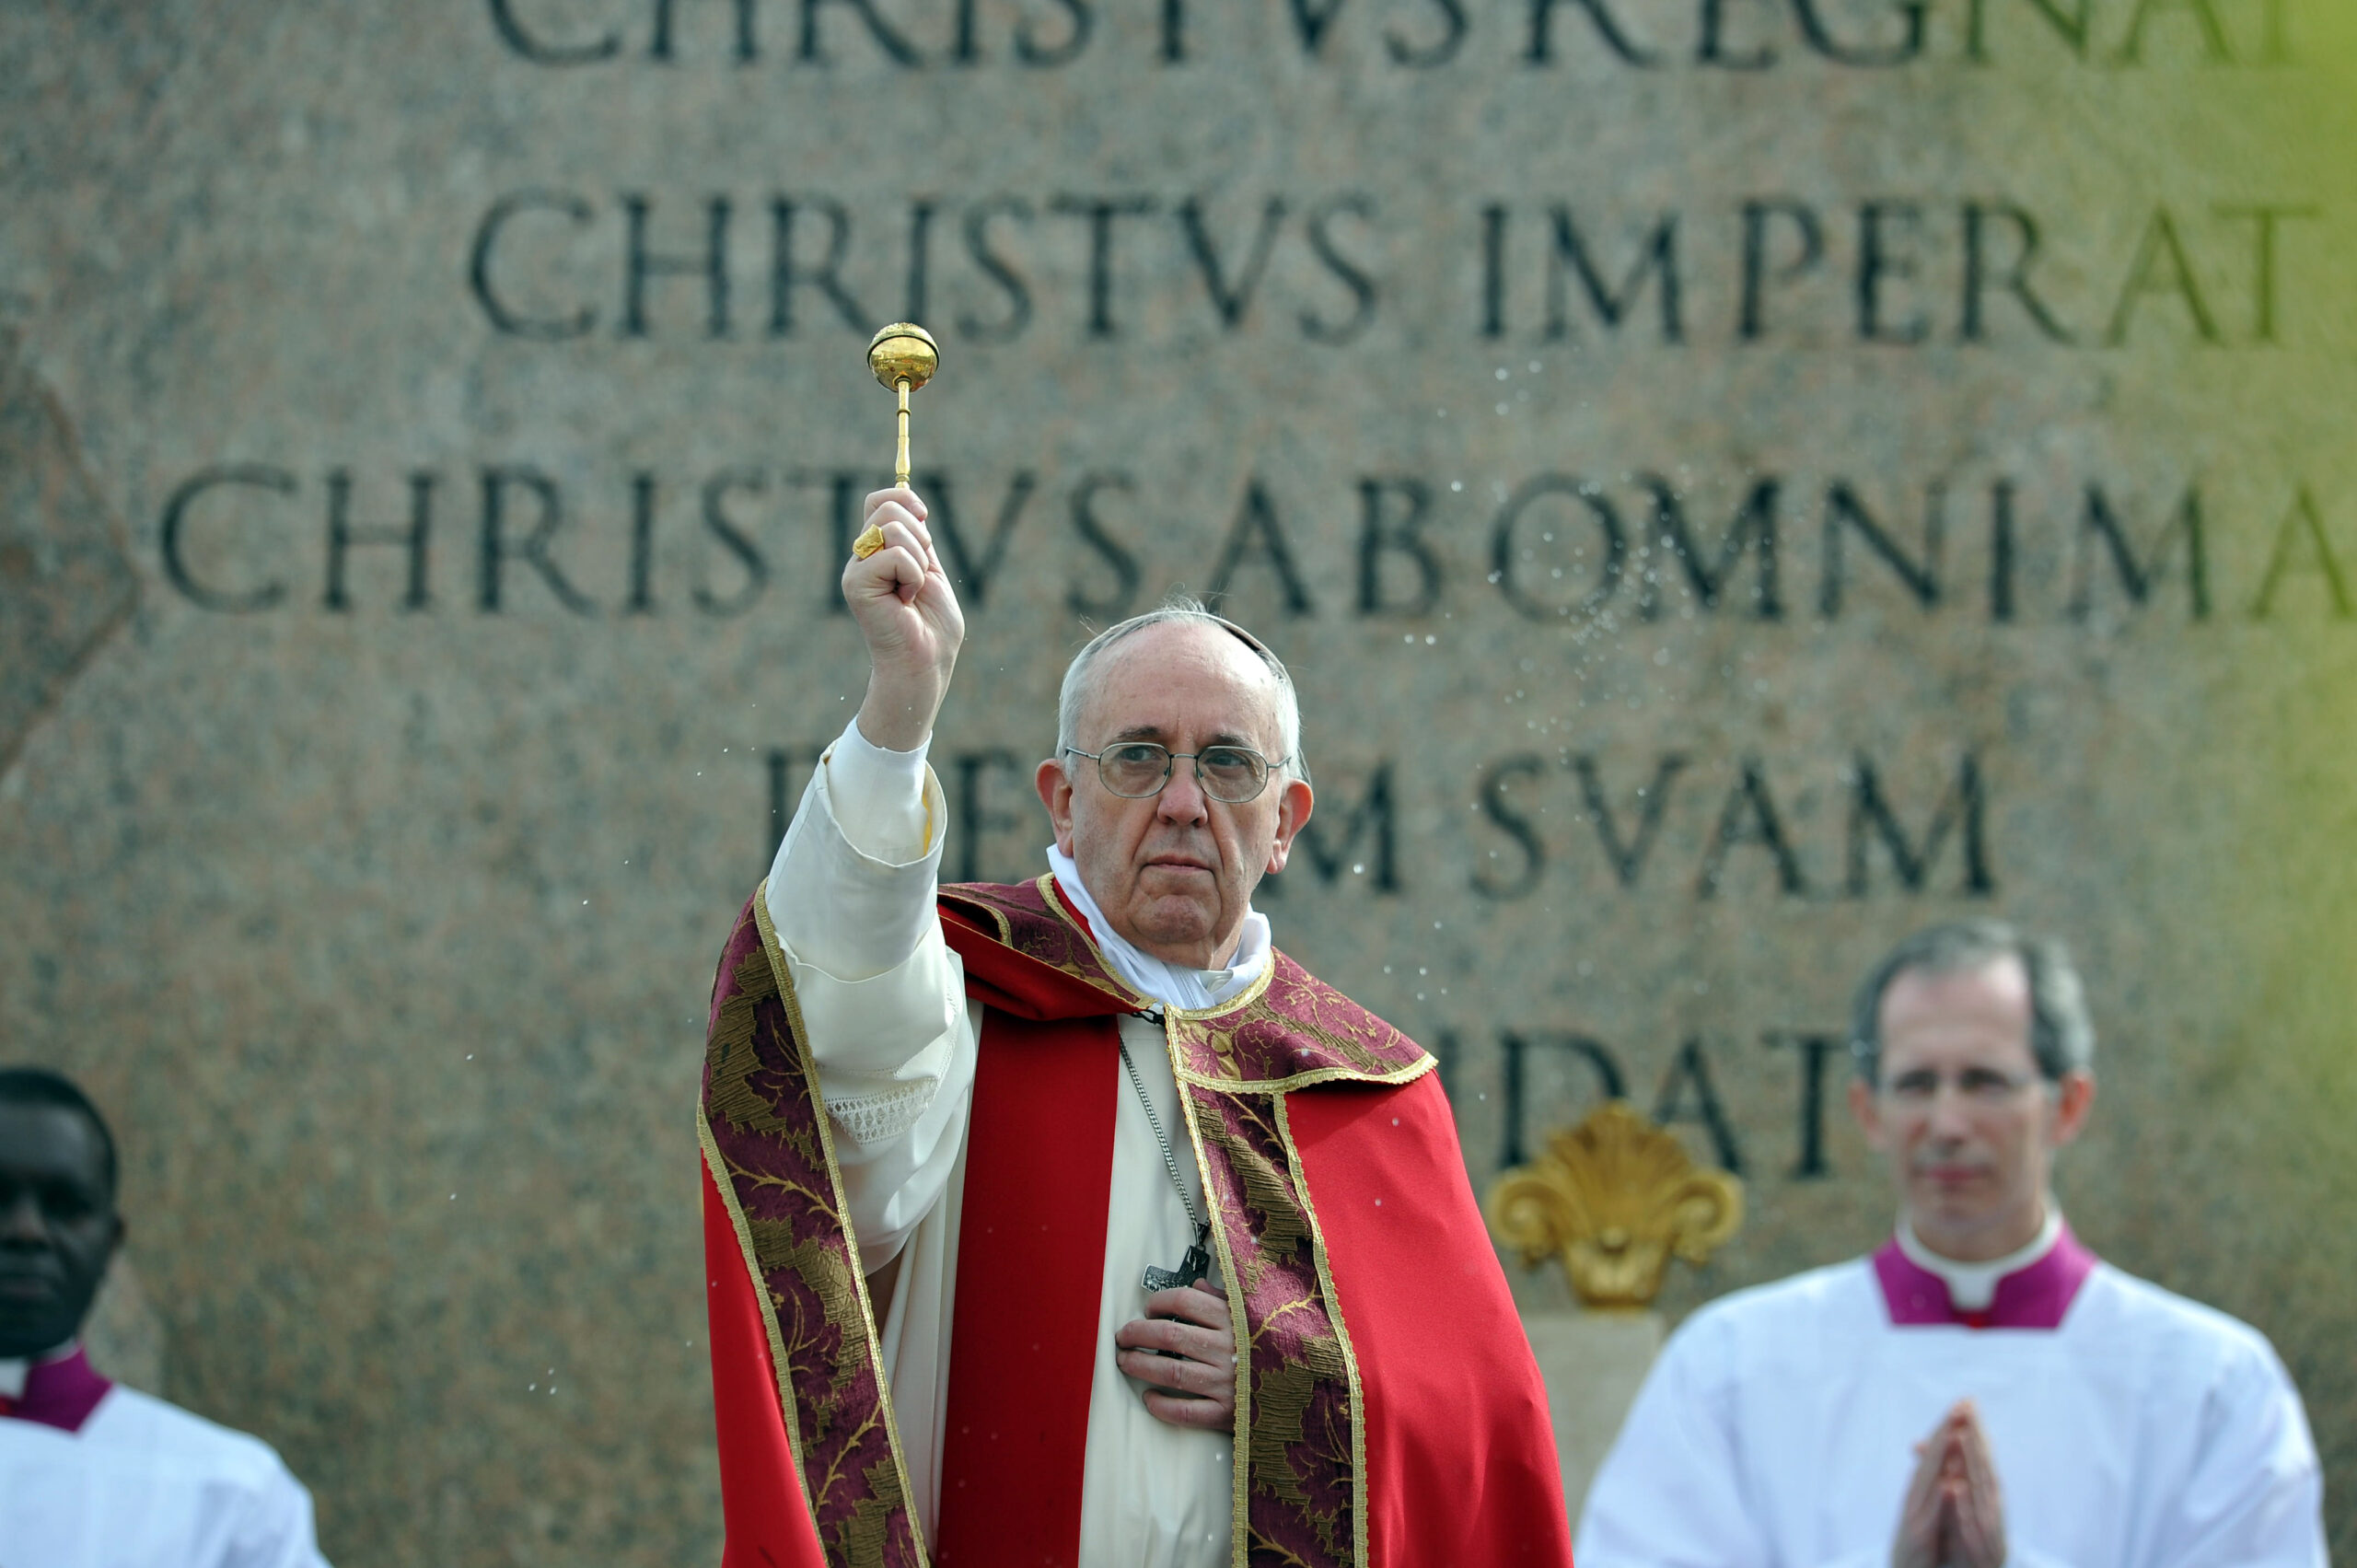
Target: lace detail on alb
column 869, row 1119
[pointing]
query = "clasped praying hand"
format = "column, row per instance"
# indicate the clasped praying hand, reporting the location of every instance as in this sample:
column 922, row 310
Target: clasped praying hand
column 1955, row 1512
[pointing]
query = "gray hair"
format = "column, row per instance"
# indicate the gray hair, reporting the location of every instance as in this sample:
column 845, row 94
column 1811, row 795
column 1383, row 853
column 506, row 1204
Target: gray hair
column 2061, row 1034
column 1185, row 607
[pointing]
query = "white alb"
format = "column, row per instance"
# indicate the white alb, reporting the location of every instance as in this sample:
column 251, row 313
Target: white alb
column 146, row 1484
column 1778, row 1429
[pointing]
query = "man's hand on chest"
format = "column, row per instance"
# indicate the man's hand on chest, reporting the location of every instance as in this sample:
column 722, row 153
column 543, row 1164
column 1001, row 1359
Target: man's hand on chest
column 1184, row 1351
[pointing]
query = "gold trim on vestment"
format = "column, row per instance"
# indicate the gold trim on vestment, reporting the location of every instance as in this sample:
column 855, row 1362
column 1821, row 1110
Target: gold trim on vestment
column 1243, row 998
column 780, row 968
column 718, row 1165
column 1407, row 1074
column 1342, row 1335
column 1046, row 883
column 1239, row 1445
column 1006, row 926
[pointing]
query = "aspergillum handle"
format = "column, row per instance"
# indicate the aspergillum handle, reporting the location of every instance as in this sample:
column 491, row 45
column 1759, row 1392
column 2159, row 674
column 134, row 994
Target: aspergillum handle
column 900, row 459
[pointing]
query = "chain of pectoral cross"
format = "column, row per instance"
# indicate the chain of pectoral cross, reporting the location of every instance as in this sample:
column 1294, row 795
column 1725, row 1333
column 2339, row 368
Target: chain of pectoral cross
column 1197, row 1264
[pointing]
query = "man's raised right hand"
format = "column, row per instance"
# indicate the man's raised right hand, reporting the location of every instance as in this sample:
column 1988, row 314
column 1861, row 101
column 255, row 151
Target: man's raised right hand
column 902, row 601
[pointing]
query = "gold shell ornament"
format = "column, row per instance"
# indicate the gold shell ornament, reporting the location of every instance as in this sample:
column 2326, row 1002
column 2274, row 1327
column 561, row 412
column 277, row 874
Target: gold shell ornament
column 1615, row 1197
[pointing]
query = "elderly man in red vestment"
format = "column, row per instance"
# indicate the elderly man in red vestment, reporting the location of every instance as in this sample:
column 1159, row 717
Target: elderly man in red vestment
column 1070, row 1222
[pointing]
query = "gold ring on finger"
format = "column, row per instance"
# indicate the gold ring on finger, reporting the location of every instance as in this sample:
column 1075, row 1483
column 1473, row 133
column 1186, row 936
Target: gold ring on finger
column 870, row 540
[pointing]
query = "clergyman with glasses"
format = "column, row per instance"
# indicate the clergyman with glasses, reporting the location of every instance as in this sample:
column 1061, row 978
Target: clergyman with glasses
column 1070, row 1221
column 1982, row 1390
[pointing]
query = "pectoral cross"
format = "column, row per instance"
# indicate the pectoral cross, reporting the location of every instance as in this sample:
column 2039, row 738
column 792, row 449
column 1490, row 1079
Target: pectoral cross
column 1195, row 1265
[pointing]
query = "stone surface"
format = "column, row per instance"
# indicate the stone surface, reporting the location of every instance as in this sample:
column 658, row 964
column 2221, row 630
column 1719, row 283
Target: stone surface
column 374, row 891
column 67, row 578
column 1594, row 1364
column 123, row 1334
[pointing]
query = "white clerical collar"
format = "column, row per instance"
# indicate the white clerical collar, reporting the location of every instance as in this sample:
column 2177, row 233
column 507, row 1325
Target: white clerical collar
column 1972, row 1286
column 15, row 1374
column 1173, row 985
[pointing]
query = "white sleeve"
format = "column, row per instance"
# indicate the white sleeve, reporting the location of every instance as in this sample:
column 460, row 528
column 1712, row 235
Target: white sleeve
column 883, row 998
column 1670, row 1493
column 2254, row 1495
column 851, row 889
column 276, row 1530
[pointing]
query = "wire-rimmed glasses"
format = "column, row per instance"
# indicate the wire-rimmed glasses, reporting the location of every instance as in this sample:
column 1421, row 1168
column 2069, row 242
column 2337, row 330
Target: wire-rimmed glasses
column 1137, row 770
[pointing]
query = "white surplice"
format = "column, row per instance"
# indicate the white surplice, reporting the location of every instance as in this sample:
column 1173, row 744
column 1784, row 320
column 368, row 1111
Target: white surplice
column 1778, row 1429
column 852, row 896
column 146, row 1484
